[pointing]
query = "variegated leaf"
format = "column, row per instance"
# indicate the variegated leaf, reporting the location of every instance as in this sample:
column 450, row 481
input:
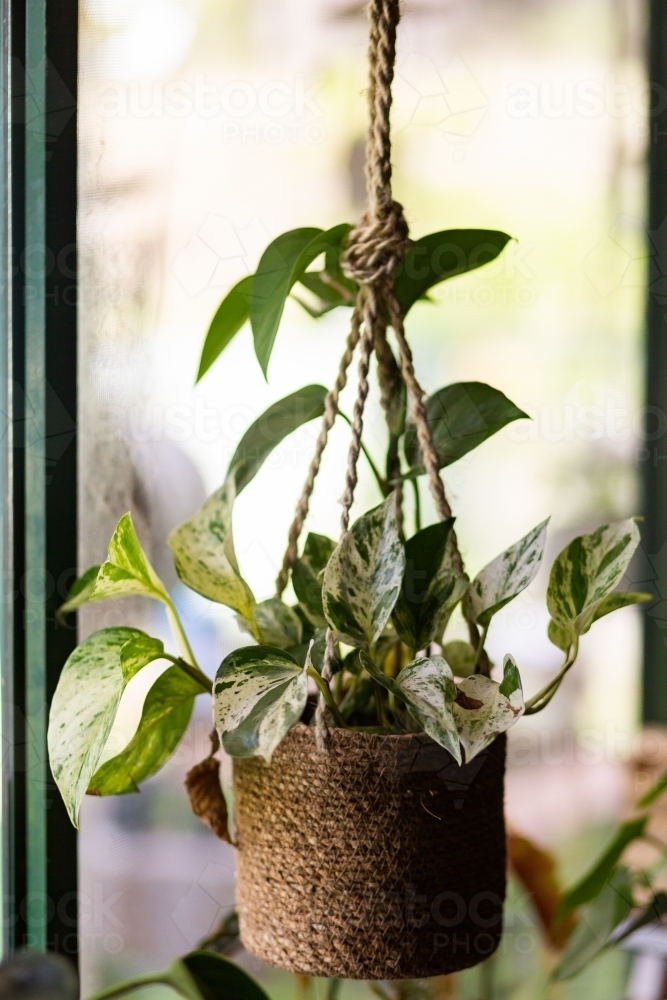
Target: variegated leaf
column 259, row 693
column 363, row 577
column 127, row 570
column 427, row 687
column 460, row 656
column 203, row 550
column 585, row 574
column 507, row 575
column 431, row 586
column 483, row 709
column 278, row 624
column 307, row 576
column 84, row 707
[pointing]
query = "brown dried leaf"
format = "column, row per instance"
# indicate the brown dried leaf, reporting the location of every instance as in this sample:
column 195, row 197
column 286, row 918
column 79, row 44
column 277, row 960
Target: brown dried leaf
column 206, row 798
column 536, row 870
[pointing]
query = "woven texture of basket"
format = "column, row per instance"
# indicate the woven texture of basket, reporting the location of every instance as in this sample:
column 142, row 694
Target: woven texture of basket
column 381, row 859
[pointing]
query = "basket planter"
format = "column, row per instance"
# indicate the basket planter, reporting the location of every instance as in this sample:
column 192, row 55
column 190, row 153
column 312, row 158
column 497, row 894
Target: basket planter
column 381, row 859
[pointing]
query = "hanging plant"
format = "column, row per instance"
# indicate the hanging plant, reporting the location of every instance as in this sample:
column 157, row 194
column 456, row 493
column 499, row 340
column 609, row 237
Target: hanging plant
column 368, row 746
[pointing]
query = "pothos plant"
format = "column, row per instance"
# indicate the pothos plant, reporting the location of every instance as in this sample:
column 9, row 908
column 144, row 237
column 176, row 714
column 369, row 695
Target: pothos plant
column 388, row 599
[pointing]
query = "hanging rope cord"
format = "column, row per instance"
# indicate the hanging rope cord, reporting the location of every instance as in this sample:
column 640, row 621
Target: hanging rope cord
column 375, row 250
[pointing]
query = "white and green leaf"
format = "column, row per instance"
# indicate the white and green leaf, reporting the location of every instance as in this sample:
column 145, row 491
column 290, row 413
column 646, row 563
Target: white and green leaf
column 127, row 571
column 427, row 687
column 85, row 704
column 259, row 694
column 204, row 554
column 164, row 719
column 483, row 709
column 586, row 572
column 79, row 593
column 507, row 575
column 363, row 577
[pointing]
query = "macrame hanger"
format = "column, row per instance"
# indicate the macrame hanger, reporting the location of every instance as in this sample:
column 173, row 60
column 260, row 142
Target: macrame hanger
column 375, row 250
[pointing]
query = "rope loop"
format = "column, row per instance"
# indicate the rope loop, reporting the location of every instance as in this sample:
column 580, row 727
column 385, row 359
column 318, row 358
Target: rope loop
column 376, row 246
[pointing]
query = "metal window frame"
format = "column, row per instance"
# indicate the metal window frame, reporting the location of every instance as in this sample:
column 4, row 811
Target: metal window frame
column 38, row 470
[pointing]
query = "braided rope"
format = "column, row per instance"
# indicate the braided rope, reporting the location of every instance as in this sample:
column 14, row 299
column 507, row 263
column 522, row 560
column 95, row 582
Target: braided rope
column 330, row 411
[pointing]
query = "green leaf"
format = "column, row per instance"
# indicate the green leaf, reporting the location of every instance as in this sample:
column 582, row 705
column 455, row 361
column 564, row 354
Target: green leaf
column 363, row 577
column 280, row 267
column 461, row 417
column 431, row 586
column 84, row 707
column 127, row 571
column 439, row 256
column 484, row 709
column 307, row 576
column 586, row 572
column 79, row 593
column 164, row 719
column 597, row 925
column 460, row 656
column 203, row 550
column 507, row 575
column 278, row 624
column 232, row 313
column 594, row 880
column 427, row 687
column 217, row 978
column 560, row 637
column 653, row 793
column 271, row 428
column 259, row 693
column 618, row 600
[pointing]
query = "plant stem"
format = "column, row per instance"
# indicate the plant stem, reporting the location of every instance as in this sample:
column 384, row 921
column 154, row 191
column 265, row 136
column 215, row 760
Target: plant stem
column 418, row 508
column 480, row 648
column 179, row 634
column 377, row 692
column 382, row 483
column 543, row 697
column 130, row 985
column 328, row 697
column 194, row 672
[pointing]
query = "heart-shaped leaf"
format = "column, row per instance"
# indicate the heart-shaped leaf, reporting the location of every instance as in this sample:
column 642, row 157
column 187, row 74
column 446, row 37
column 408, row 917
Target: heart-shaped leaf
column 616, row 601
column 439, row 256
column 427, row 687
column 280, row 267
column 259, row 693
column 216, row 978
column 585, row 574
column 363, row 577
column 127, row 570
column 461, row 417
column 84, row 707
column 278, row 624
column 596, row 925
column 507, row 575
column 204, row 554
column 307, row 576
column 431, row 586
column 232, row 313
column 164, row 719
column 271, row 428
column 484, row 709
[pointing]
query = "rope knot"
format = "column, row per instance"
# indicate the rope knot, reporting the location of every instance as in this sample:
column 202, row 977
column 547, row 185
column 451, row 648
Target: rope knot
column 376, row 246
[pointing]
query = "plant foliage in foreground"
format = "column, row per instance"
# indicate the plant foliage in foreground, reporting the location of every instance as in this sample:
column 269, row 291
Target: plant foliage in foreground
column 387, row 599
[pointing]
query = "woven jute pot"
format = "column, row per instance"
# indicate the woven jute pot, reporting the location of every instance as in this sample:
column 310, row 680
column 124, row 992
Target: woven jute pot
column 381, row 859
